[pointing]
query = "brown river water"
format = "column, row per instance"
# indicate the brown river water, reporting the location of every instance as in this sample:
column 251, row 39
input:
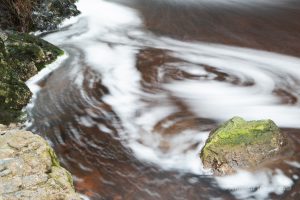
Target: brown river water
column 130, row 105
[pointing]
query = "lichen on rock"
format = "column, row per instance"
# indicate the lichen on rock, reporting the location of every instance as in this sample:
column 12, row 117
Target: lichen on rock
column 21, row 57
column 240, row 144
column 29, row 169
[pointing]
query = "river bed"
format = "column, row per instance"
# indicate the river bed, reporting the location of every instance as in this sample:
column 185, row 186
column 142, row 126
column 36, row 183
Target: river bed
column 130, row 105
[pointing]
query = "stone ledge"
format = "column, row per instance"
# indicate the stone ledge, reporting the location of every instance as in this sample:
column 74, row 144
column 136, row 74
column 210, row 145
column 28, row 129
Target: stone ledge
column 29, row 168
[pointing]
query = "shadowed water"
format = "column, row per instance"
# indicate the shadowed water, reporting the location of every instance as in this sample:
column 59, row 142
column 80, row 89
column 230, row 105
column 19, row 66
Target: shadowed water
column 131, row 105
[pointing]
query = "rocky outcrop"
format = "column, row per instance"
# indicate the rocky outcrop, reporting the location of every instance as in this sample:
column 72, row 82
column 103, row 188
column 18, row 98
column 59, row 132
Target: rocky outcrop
column 240, row 144
column 21, row 56
column 48, row 14
column 30, row 170
column 33, row 15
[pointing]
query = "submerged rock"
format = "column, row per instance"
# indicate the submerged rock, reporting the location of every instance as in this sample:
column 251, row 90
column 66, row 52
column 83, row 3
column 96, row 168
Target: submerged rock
column 240, row 144
column 21, row 56
column 29, row 169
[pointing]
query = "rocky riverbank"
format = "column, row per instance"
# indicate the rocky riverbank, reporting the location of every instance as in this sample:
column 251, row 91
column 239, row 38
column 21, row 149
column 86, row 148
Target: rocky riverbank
column 22, row 55
column 29, row 168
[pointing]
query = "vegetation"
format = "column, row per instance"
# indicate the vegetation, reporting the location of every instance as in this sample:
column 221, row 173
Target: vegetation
column 21, row 56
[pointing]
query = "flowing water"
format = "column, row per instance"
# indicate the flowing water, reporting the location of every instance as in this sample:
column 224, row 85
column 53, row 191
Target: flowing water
column 130, row 105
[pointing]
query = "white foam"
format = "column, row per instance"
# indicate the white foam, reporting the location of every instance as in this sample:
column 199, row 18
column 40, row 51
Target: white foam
column 219, row 100
column 86, row 121
column 258, row 185
column 293, row 163
column 84, row 197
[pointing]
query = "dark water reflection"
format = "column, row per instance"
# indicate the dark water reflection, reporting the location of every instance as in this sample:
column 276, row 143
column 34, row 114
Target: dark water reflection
column 85, row 129
column 268, row 25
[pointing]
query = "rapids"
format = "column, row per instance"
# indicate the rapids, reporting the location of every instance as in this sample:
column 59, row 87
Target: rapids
column 130, row 105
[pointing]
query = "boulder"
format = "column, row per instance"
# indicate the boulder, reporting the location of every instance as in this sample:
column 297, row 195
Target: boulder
column 240, row 144
column 29, row 169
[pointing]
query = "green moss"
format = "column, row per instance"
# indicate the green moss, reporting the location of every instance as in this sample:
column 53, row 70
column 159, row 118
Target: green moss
column 62, row 177
column 21, row 57
column 237, row 131
column 70, row 178
column 54, row 159
column 27, row 48
column 58, row 173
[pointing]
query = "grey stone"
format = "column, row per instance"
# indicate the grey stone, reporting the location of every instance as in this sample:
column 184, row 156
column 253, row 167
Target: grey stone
column 29, row 169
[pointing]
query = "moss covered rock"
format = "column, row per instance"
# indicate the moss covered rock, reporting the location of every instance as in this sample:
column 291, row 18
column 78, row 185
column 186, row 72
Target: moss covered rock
column 29, row 169
column 21, row 56
column 242, row 144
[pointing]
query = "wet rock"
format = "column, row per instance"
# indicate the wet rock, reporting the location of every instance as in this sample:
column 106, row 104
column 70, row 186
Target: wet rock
column 33, row 15
column 21, row 56
column 31, row 170
column 240, row 144
column 48, row 15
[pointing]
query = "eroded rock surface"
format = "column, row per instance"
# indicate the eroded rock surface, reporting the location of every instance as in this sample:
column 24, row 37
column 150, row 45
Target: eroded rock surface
column 30, row 170
column 240, row 144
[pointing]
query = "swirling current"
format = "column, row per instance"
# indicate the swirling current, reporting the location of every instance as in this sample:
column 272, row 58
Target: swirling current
column 130, row 104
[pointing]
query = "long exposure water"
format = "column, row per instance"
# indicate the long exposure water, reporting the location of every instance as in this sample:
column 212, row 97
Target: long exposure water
column 130, row 105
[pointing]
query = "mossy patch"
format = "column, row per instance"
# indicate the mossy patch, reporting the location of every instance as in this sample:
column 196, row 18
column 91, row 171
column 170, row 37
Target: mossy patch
column 54, row 159
column 21, row 57
column 24, row 51
column 237, row 131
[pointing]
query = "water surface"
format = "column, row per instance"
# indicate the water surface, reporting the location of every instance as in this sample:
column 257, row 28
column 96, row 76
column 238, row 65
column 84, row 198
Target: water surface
column 143, row 82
